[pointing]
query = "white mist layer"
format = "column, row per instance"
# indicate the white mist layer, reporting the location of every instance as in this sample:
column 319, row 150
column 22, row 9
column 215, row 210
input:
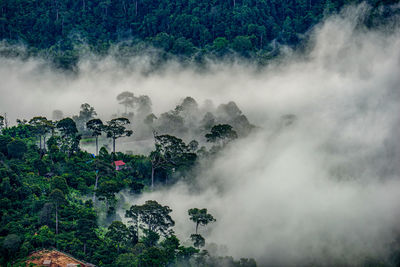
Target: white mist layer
column 324, row 189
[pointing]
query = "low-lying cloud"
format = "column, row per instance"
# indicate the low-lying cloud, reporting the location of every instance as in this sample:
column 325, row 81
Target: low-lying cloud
column 324, row 189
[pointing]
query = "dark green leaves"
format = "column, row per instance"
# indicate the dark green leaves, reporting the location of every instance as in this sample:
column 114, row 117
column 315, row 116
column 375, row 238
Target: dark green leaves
column 96, row 126
column 151, row 216
column 221, row 133
column 16, row 148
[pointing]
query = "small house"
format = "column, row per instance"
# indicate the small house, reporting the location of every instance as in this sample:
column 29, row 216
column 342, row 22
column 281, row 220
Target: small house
column 119, row 165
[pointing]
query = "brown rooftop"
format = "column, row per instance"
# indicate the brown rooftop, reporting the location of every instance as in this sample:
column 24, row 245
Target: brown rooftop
column 54, row 258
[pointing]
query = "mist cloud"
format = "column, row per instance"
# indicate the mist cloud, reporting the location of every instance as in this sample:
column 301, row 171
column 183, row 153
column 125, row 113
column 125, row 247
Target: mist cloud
column 324, row 189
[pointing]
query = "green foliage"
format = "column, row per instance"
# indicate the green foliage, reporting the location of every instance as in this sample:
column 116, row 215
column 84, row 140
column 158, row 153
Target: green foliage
column 46, row 201
column 67, row 127
column 117, row 233
column 11, row 243
column 198, row 240
column 96, row 126
column 172, row 155
column 62, row 30
column 106, row 191
column 200, row 216
column 4, row 141
column 116, row 129
column 152, row 217
column 57, row 197
column 16, row 148
column 242, row 44
column 152, row 256
column 44, row 237
column 59, row 182
column 150, row 238
column 221, row 45
column 40, row 166
column 222, row 133
column 41, row 126
column 86, row 114
column 70, row 137
column 127, row 260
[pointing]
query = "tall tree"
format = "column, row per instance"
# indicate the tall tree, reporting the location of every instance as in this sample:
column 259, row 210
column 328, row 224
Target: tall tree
column 127, row 99
column 200, row 217
column 86, row 113
column 42, row 127
column 97, row 127
column 67, row 127
column 57, row 197
column 103, row 169
column 86, row 224
column 151, row 216
column 116, row 129
column 106, row 191
column 69, row 134
column 134, row 214
column 170, row 152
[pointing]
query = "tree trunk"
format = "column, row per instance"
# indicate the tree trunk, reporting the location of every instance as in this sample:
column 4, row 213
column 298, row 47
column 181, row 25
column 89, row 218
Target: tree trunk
column 40, row 142
column 95, row 187
column 97, row 145
column 84, row 249
column 114, row 144
column 56, row 219
column 152, row 177
column 137, row 227
column 62, row 26
column 44, row 143
column 197, row 227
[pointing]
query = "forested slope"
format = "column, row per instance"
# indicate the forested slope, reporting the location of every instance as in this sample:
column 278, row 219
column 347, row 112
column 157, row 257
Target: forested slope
column 60, row 28
column 55, row 195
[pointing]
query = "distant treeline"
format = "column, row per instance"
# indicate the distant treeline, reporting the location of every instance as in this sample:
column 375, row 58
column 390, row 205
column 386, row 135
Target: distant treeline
column 183, row 28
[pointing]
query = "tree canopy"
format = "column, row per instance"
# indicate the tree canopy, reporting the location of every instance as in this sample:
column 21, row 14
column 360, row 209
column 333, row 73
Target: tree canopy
column 181, row 28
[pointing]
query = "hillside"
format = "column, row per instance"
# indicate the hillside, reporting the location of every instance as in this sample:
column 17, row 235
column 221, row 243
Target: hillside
column 64, row 29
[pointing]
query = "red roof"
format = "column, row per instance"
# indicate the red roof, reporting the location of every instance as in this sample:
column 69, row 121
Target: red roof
column 119, row 163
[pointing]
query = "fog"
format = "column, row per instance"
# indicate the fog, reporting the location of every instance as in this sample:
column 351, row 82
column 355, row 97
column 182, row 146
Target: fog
column 325, row 189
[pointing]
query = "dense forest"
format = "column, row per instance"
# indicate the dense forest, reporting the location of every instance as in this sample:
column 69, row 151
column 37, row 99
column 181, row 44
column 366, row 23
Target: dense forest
column 54, row 194
column 71, row 182
column 62, row 30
